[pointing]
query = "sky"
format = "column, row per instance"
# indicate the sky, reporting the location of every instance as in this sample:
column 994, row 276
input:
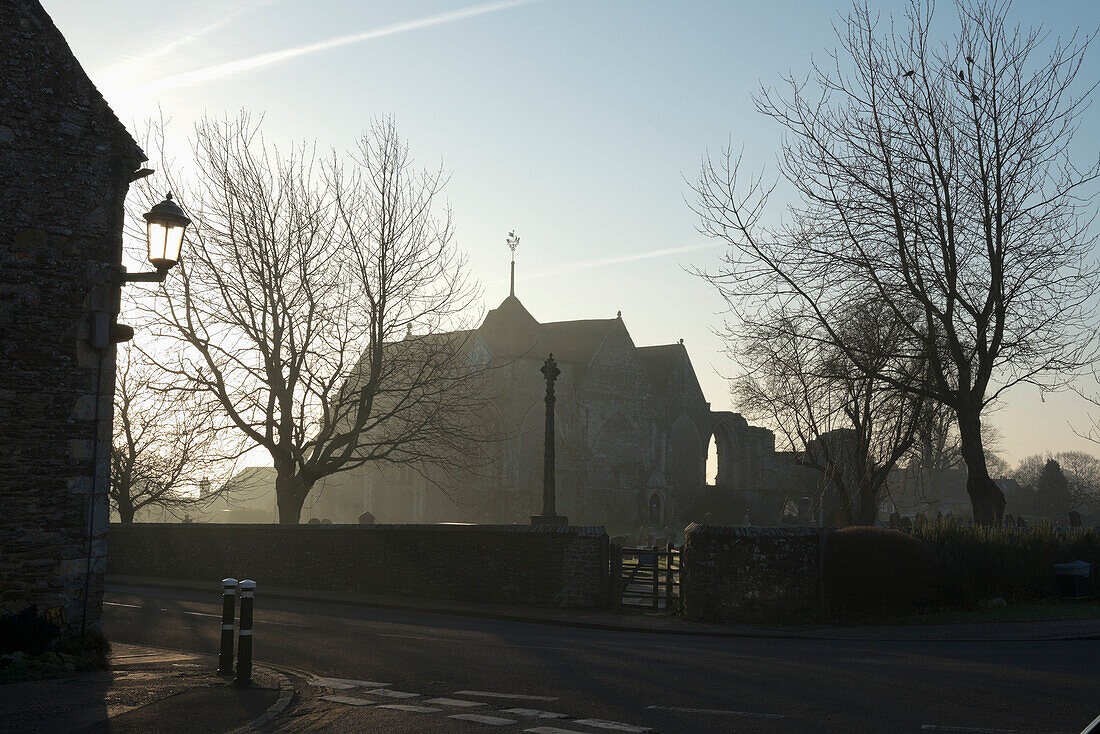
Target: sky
column 577, row 123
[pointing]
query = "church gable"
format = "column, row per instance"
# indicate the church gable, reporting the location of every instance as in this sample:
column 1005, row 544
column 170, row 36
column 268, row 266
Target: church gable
column 616, row 373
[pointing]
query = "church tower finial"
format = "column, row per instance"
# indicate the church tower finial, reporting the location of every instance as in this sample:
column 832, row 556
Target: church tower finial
column 513, row 243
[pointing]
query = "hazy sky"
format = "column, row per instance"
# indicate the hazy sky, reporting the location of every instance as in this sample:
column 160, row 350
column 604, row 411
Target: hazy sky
column 573, row 122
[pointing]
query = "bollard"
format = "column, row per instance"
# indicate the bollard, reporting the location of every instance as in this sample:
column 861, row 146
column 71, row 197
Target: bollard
column 229, row 609
column 244, row 640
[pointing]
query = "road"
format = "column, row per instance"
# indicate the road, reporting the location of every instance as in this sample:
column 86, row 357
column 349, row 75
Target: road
column 666, row 683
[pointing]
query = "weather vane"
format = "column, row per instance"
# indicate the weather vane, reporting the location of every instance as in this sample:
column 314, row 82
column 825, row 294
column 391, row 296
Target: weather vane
column 513, row 243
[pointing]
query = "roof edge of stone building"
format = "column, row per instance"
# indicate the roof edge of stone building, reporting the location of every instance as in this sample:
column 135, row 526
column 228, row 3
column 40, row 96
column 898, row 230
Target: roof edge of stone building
column 54, row 36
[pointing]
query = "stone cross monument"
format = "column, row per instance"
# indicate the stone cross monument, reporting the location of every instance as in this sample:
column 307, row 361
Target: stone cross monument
column 549, row 514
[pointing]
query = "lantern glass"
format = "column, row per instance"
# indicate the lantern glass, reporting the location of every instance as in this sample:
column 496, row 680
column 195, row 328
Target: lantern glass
column 165, row 240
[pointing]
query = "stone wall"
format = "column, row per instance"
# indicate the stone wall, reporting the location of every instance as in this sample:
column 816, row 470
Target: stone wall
column 65, row 166
column 503, row 564
column 750, row 573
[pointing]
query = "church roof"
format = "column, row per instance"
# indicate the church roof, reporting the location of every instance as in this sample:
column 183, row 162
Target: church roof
column 576, row 341
column 659, row 360
column 509, row 330
column 662, row 359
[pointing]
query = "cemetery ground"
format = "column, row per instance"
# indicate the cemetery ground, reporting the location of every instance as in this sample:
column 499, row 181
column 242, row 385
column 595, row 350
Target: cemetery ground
column 359, row 668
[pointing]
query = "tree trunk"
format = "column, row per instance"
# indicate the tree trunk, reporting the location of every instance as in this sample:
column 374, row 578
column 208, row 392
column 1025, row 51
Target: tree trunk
column 986, row 497
column 290, row 493
column 125, row 513
column 867, row 511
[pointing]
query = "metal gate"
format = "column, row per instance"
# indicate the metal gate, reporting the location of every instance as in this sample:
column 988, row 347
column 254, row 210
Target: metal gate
column 645, row 578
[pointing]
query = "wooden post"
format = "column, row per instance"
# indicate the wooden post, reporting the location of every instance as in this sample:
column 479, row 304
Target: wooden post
column 668, row 578
column 617, row 577
column 656, row 579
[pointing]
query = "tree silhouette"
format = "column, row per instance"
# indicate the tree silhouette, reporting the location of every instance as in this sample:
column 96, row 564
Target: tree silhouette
column 937, row 176
column 296, row 303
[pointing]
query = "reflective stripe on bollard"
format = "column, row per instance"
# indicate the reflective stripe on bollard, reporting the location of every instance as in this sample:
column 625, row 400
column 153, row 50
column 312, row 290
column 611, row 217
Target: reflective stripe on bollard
column 229, row 609
column 244, row 639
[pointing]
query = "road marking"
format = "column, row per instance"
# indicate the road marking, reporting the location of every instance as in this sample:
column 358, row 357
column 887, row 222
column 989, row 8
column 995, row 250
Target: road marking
column 490, row 720
column 725, row 712
column 343, row 684
column 551, row 730
column 455, row 702
column 349, row 700
column 535, row 713
column 261, row 623
column 612, row 725
column 409, row 708
column 516, row 696
column 392, row 694
column 973, row 730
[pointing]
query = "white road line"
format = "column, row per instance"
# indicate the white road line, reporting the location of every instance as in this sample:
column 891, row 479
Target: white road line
column 259, row 623
column 535, row 713
column 612, row 725
column 551, row 730
column 724, row 712
column 516, row 696
column 490, row 720
column 343, row 684
column 410, row 708
column 973, row 730
column 391, row 693
column 349, row 700
column 455, row 702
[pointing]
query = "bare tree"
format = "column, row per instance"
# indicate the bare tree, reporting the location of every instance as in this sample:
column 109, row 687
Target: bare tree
column 168, row 450
column 295, row 305
column 937, row 176
column 852, row 426
column 1082, row 471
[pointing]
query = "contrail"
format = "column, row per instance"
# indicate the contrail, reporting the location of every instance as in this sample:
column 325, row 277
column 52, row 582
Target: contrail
column 220, row 71
column 614, row 260
column 112, row 76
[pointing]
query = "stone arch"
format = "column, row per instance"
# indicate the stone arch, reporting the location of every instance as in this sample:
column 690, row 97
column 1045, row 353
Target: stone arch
column 731, row 455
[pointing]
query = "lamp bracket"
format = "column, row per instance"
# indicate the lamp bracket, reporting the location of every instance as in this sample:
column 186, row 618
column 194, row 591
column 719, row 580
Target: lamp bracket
column 157, row 276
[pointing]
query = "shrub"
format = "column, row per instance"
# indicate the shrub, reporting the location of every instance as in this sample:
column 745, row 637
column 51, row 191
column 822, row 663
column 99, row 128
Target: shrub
column 27, row 631
column 1016, row 564
column 868, row 568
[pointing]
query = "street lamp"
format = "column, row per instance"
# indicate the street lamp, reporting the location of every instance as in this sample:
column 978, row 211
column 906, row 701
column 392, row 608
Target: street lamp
column 165, row 224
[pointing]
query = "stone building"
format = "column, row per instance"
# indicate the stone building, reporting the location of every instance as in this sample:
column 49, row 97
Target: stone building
column 65, row 165
column 633, row 429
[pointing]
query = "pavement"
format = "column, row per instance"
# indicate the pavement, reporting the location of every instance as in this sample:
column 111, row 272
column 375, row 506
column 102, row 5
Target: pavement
column 145, row 690
column 1067, row 629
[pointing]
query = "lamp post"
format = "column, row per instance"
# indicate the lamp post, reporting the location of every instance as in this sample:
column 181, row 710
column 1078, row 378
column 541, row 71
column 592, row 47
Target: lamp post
column 549, row 514
column 165, row 225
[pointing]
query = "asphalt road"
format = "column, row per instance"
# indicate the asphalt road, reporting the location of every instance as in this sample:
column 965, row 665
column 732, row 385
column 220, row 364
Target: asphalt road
column 667, row 683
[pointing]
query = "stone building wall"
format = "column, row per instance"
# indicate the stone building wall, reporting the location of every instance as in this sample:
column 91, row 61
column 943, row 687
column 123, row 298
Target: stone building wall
column 750, row 573
column 65, row 166
column 544, row 566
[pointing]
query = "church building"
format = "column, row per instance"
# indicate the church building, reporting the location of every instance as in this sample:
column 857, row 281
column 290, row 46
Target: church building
column 632, row 433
